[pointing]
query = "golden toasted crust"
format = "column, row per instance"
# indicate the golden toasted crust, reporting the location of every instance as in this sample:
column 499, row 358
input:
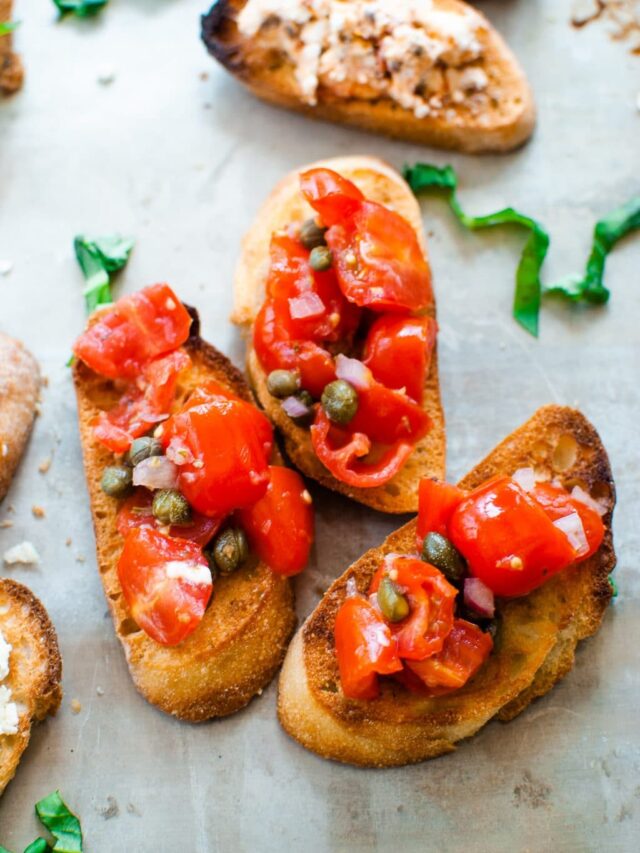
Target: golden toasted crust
column 35, row 669
column 241, row 641
column 536, row 639
column 506, row 124
column 11, row 71
column 380, row 182
column 19, row 389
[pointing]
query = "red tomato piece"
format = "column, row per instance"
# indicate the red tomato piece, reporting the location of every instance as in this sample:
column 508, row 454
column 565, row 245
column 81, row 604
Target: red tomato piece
column 398, row 352
column 436, row 503
column 143, row 405
column 139, row 328
column 227, row 442
column 387, row 416
column 465, row 650
column 136, row 512
column 280, row 523
column 558, row 503
column 364, row 648
column 166, row 583
column 508, row 540
column 331, row 195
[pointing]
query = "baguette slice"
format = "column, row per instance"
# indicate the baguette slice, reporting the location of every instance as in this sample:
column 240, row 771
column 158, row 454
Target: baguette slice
column 534, row 648
column 19, row 389
column 240, row 643
column 35, row 669
column 381, row 183
column 505, row 124
column 11, row 71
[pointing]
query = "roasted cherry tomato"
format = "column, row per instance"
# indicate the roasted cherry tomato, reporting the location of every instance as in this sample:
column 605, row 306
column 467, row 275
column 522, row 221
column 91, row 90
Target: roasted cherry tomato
column 398, row 352
column 436, row 503
column 508, row 539
column 364, row 648
column 558, row 503
column 139, row 327
column 225, row 443
column 465, row 649
column 387, row 416
column 331, row 195
column 136, row 512
column 431, row 600
column 144, row 404
column 166, row 583
column 280, row 523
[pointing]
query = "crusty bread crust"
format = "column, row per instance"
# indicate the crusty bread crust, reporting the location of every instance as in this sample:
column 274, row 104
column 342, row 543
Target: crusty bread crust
column 19, row 389
column 11, row 71
column 35, row 669
column 379, row 182
column 534, row 648
column 240, row 643
column 507, row 124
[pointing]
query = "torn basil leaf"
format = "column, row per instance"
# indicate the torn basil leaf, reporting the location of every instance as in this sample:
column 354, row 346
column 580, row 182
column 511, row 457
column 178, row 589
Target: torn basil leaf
column 38, row 846
column 98, row 257
column 61, row 823
column 7, row 27
column 80, row 8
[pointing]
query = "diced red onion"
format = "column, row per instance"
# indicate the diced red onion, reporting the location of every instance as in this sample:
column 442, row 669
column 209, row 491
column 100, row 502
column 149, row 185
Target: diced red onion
column 525, row 478
column 295, row 408
column 354, row 372
column 178, row 452
column 306, row 305
column 478, row 597
column 579, row 494
column 571, row 526
column 155, row 472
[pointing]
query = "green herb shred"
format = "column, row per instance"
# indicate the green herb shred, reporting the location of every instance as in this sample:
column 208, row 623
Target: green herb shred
column 7, row 27
column 61, row 823
column 38, row 846
column 79, row 8
column 98, row 258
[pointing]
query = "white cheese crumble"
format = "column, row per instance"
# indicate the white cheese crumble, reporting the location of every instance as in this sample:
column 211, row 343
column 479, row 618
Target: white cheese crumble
column 188, row 571
column 8, row 709
column 24, row 553
column 5, row 649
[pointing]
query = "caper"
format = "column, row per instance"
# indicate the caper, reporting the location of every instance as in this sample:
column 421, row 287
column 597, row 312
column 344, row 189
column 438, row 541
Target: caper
column 320, row 258
column 439, row 551
column 340, row 401
column 283, row 383
column 116, row 481
column 230, row 550
column 311, row 234
column 171, row 507
column 392, row 602
column 143, row 448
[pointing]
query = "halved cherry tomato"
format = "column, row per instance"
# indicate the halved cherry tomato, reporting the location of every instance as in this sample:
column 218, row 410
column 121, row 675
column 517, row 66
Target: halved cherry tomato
column 431, row 599
column 398, row 352
column 387, row 416
column 166, row 583
column 331, row 195
column 558, row 503
column 144, row 404
column 436, row 503
column 226, row 444
column 136, row 512
column 280, row 523
column 138, row 328
column 364, row 648
column 465, row 650
column 507, row 538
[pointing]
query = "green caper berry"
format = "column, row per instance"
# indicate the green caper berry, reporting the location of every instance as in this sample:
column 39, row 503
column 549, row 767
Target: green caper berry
column 392, row 602
column 230, row 550
column 311, row 234
column 143, row 448
column 116, row 481
column 439, row 551
column 340, row 401
column 171, row 507
column 320, row 258
column 283, row 383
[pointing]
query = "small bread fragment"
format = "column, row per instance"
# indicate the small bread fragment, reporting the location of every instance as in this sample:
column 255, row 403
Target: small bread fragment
column 11, row 70
column 470, row 100
column 534, row 648
column 19, row 389
column 35, row 669
column 240, row 643
column 379, row 182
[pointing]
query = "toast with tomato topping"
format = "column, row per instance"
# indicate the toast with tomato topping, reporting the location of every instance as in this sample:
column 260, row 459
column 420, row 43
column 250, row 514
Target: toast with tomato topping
column 437, row 74
column 534, row 646
column 35, row 669
column 380, row 183
column 241, row 640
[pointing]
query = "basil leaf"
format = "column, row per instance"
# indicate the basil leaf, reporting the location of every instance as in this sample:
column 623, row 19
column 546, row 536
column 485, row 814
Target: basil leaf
column 38, row 846
column 80, row 8
column 7, row 27
column 98, row 257
column 4, row 849
column 61, row 823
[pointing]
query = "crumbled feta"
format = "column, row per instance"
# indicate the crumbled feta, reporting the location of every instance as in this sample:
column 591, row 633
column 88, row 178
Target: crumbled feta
column 8, row 713
column 24, row 553
column 188, row 571
column 5, row 649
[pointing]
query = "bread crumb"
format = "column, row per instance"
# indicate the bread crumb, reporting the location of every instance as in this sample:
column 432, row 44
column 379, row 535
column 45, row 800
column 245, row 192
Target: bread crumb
column 68, row 541
column 6, row 522
column 44, row 466
column 106, row 76
column 99, row 691
column 23, row 553
column 80, row 558
column 38, row 511
column 76, row 707
column 5, row 266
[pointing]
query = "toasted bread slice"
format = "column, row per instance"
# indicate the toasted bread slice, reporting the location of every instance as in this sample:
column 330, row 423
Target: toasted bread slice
column 240, row 643
column 35, row 669
column 19, row 389
column 11, row 71
column 381, row 183
column 504, row 122
column 535, row 644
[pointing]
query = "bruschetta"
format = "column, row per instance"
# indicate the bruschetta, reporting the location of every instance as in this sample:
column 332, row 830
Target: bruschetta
column 465, row 614
column 11, row 71
column 433, row 72
column 333, row 288
column 197, row 525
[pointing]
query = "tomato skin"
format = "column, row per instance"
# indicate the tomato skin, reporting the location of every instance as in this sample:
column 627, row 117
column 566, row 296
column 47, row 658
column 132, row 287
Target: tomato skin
column 436, row 503
column 167, row 608
column 499, row 522
column 398, row 352
column 280, row 524
column 387, row 416
column 201, row 530
column 364, row 648
column 331, row 195
column 558, row 503
column 465, row 650
column 139, row 328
